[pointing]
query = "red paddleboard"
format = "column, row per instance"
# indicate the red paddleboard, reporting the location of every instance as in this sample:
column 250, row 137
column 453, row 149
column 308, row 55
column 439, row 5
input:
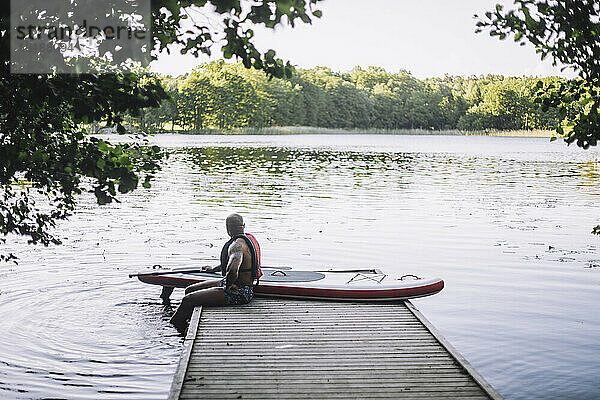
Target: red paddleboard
column 350, row 285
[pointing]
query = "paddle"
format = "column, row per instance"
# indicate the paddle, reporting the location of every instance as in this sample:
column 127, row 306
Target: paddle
column 197, row 270
column 181, row 271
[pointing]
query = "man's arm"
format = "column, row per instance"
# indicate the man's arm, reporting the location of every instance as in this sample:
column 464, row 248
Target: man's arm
column 233, row 264
column 209, row 268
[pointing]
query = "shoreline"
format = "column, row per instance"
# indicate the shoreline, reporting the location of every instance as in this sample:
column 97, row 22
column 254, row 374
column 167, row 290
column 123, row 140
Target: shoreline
column 301, row 130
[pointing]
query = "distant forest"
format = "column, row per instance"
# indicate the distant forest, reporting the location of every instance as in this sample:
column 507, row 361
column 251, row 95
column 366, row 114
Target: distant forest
column 221, row 95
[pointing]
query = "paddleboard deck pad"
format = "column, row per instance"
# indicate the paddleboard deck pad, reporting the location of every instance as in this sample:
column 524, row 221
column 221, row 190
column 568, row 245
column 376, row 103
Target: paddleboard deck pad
column 350, row 285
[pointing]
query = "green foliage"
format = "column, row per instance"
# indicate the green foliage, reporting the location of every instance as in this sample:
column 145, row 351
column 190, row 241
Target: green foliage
column 223, row 95
column 508, row 103
column 576, row 102
column 46, row 158
column 569, row 32
column 43, row 145
column 237, row 18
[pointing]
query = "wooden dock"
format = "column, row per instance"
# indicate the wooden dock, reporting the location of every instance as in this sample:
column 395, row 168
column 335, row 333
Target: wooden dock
column 287, row 349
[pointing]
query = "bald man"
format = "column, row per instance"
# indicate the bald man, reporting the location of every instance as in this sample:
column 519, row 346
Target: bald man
column 240, row 267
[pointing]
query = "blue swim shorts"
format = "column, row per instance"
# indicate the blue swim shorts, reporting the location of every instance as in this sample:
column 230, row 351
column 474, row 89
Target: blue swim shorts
column 246, row 293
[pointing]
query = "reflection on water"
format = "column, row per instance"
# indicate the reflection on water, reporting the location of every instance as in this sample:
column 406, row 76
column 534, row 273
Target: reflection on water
column 277, row 177
column 504, row 221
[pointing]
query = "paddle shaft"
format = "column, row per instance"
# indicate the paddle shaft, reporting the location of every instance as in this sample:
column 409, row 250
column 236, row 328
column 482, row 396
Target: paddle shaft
column 196, row 270
column 183, row 271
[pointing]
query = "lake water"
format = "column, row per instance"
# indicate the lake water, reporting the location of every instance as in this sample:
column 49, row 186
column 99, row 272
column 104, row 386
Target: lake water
column 505, row 221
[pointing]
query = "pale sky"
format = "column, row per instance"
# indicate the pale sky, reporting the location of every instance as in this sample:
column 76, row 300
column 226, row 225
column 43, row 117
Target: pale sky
column 426, row 37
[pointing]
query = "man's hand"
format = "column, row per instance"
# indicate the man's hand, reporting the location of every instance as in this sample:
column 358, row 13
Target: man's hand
column 232, row 289
column 208, row 268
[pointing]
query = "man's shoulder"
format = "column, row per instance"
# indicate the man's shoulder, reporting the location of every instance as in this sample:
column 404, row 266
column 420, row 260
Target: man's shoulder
column 238, row 244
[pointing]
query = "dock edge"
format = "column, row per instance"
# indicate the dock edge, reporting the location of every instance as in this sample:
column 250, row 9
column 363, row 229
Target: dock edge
column 186, row 352
column 480, row 380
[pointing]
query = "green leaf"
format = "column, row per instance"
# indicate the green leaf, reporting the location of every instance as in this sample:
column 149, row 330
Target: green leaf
column 102, row 146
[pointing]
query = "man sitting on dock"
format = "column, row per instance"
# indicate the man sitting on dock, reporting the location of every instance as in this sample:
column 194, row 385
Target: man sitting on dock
column 240, row 266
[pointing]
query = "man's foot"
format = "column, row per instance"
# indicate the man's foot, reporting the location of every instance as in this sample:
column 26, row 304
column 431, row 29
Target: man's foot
column 180, row 324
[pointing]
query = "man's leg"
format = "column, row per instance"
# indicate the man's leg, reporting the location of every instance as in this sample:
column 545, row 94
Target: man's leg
column 213, row 296
column 166, row 293
column 202, row 285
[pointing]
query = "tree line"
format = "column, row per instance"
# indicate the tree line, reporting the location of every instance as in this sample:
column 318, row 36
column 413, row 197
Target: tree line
column 220, row 95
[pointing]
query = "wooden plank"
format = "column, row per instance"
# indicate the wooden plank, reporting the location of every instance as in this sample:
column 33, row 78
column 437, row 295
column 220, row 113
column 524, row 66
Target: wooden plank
column 324, row 359
column 305, row 328
column 298, row 350
column 395, row 395
column 342, row 366
column 281, row 357
column 186, row 352
column 322, row 352
column 308, row 382
column 361, row 369
column 341, row 345
column 413, row 342
column 316, row 396
column 406, row 395
column 324, row 391
column 300, row 332
column 330, row 338
column 399, row 325
column 324, row 320
column 375, row 380
column 320, row 313
column 354, row 373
